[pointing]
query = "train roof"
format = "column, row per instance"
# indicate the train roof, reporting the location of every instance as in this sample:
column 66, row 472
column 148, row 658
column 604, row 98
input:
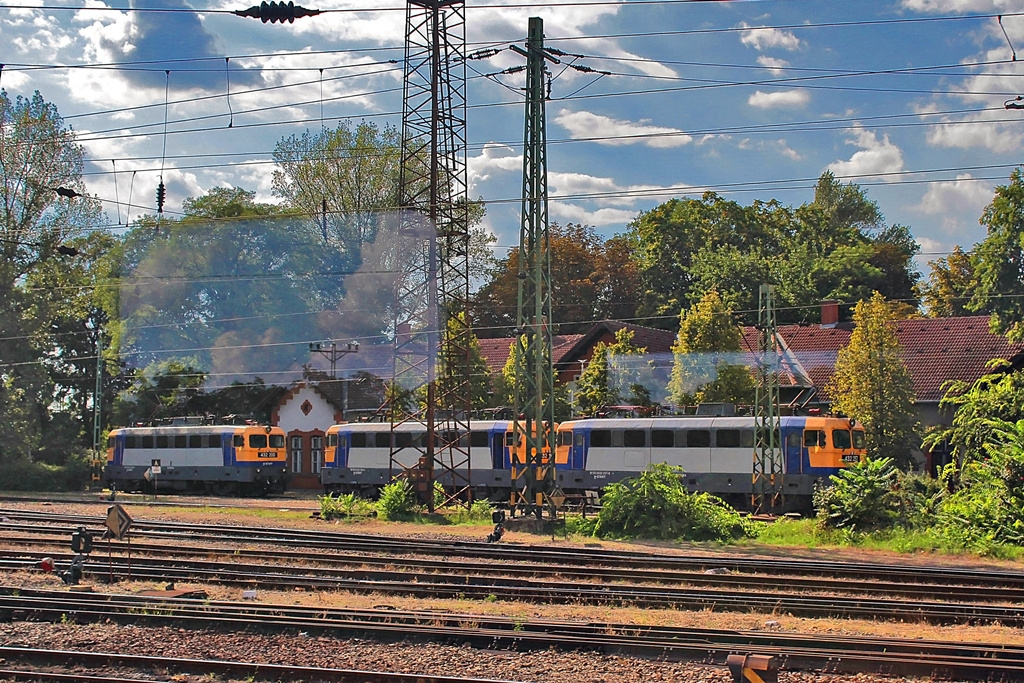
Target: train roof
column 413, row 427
column 192, row 429
column 682, row 422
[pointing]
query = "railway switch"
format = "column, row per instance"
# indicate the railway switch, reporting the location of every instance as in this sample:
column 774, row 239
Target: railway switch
column 753, row 668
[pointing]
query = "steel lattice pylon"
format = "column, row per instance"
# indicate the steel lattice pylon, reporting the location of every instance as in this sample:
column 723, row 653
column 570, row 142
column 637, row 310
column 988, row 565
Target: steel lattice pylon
column 432, row 330
column 533, row 457
column 767, row 490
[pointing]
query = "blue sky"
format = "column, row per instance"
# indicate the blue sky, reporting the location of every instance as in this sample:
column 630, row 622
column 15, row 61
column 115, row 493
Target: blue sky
column 750, row 99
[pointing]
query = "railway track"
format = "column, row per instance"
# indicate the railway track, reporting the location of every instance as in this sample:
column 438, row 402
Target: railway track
column 78, row 666
column 817, row 652
column 380, row 545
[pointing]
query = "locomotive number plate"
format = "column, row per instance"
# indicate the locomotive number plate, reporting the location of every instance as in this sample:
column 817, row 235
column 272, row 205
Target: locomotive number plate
column 851, row 458
column 267, row 454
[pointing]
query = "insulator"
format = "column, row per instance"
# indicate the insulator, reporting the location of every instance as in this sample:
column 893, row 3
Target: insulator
column 161, row 193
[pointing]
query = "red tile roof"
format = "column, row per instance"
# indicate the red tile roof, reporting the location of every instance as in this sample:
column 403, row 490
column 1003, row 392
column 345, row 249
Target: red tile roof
column 934, row 349
column 495, row 351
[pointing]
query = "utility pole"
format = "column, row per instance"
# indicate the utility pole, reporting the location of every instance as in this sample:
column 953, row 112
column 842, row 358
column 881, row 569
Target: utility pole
column 97, row 411
column 767, row 490
column 533, row 455
column 333, row 353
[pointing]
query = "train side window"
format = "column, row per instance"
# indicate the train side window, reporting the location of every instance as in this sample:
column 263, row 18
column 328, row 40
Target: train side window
column 195, row 441
column 478, row 439
column 841, row 438
column 238, row 441
column 747, row 438
column 580, row 439
column 727, row 438
column 180, row 441
column 162, row 441
column 698, row 438
column 277, row 440
column 858, row 438
column 661, row 438
column 213, row 440
column 131, row 442
column 601, row 438
column 565, row 438
column 814, row 437
column 332, row 440
column 680, row 438
column 403, row 439
column 147, row 441
column 257, row 441
column 617, row 438
column 634, row 438
column 358, row 439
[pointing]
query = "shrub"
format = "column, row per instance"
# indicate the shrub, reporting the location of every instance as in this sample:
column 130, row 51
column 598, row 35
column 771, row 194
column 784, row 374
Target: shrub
column 657, row 505
column 478, row 513
column 578, row 525
column 346, row 505
column 860, row 497
column 26, row 475
column 396, row 501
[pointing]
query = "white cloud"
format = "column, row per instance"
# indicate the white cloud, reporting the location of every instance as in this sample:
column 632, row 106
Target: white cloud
column 773, row 64
column 493, row 158
column 779, row 146
column 609, row 192
column 763, row 38
column 972, row 6
column 781, row 98
column 574, row 213
column 587, row 125
column 958, row 203
column 875, row 156
column 977, row 130
column 15, row 81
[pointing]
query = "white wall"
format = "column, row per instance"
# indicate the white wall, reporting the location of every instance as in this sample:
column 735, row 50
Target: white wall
column 290, row 417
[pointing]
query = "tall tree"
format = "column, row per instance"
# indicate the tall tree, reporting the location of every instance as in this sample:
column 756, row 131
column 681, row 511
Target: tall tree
column 43, row 208
column 951, row 284
column 872, row 384
column 601, row 384
column 706, row 354
column 591, row 279
column 999, row 260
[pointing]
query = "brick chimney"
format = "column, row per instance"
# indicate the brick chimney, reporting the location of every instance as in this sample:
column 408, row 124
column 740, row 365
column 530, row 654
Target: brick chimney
column 829, row 312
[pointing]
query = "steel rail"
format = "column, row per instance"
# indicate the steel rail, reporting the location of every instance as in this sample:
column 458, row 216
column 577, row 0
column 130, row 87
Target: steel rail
column 337, row 562
column 204, row 667
column 963, row 661
column 379, row 545
column 441, row 586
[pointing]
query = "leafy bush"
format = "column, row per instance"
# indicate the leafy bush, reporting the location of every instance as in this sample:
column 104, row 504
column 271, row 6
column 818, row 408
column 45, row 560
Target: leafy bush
column 396, row 501
column 26, row 475
column 657, row 505
column 346, row 505
column 860, row 497
column 578, row 525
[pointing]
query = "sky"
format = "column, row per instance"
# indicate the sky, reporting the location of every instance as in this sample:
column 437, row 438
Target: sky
column 753, row 100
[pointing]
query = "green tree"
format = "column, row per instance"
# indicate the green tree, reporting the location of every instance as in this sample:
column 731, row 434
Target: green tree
column 225, row 202
column 597, row 387
column 704, row 368
column 872, row 384
column 43, row 209
column 951, row 284
column 462, row 347
column 999, row 260
column 591, row 279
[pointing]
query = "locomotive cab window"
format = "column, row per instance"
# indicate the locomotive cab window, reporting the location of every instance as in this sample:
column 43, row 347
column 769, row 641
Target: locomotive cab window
column 238, row 441
column 601, row 438
column 110, row 442
column 841, row 438
column 332, row 440
column 257, row 441
column 858, row 438
column 277, row 440
column 565, row 439
column 814, row 438
column 661, row 438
